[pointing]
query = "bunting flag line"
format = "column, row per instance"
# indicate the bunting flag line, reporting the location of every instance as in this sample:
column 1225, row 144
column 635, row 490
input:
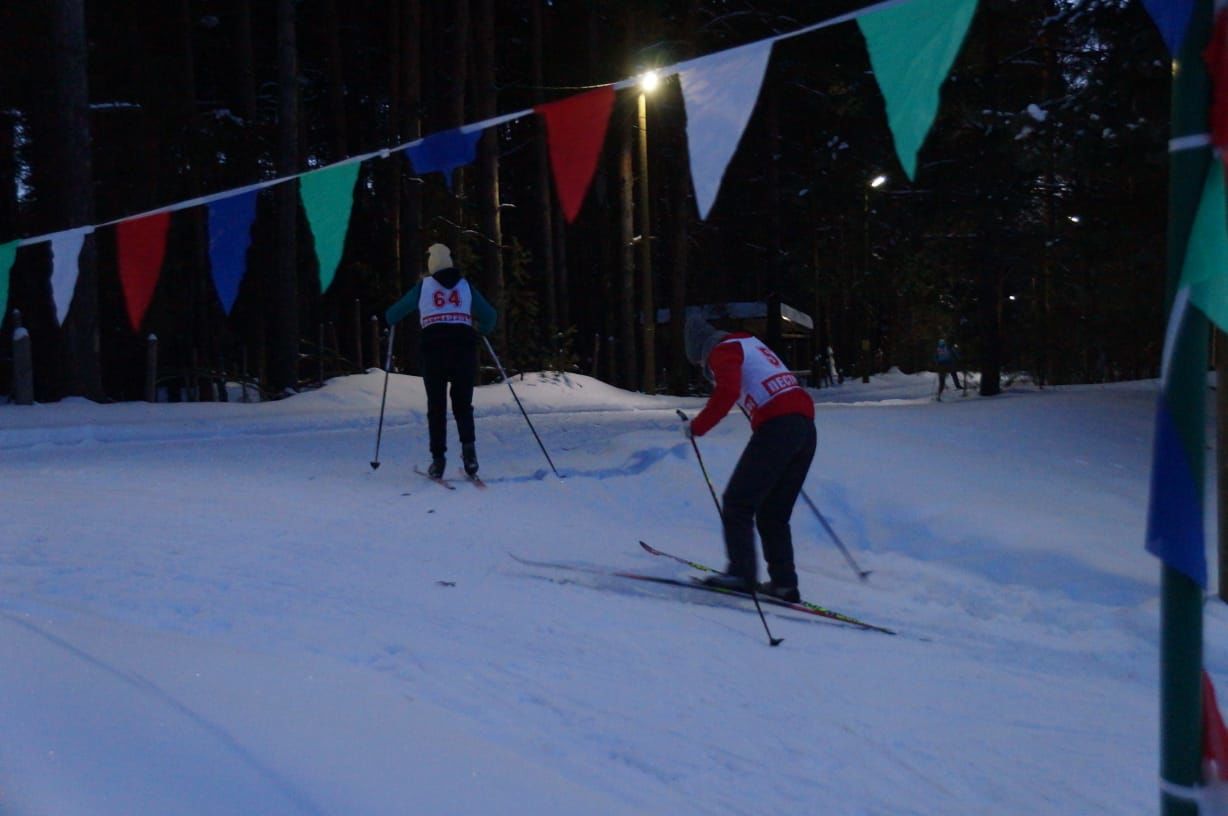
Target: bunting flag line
column 142, row 248
column 575, row 132
column 8, row 254
column 328, row 198
column 65, row 268
column 444, row 152
column 912, row 48
column 230, row 235
column 1172, row 17
column 719, row 92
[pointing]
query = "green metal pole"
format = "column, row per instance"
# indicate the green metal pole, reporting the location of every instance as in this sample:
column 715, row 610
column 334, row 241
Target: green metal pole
column 1185, row 395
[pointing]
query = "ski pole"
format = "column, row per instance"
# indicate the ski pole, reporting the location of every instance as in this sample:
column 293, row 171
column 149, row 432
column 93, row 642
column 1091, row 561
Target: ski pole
column 503, row 374
column 704, row 470
column 754, row 596
column 379, row 432
column 862, row 574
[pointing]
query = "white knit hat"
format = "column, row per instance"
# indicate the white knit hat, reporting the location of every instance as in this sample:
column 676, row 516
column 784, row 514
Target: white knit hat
column 438, row 257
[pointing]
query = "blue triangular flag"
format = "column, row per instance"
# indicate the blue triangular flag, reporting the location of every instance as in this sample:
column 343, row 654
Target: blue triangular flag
column 1172, row 17
column 230, row 234
column 444, row 152
column 1174, row 519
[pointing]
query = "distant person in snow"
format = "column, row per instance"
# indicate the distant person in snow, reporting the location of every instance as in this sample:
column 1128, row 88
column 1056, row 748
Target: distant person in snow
column 823, row 367
column 945, row 361
column 451, row 312
column 769, row 475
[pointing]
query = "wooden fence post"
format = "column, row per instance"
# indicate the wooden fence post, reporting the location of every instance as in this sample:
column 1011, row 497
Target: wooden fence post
column 375, row 344
column 320, row 354
column 151, row 368
column 23, row 363
column 358, row 334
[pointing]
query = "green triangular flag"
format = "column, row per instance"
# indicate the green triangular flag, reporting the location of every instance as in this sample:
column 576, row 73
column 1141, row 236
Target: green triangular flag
column 1205, row 271
column 912, row 47
column 328, row 198
column 8, row 254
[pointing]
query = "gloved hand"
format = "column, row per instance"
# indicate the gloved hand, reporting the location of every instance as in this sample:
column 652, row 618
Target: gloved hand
column 686, row 430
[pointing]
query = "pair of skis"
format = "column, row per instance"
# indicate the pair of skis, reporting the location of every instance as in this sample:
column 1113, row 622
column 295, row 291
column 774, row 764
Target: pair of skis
column 804, row 607
column 476, row 481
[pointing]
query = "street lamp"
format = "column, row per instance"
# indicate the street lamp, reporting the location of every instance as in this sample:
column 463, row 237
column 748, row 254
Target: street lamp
column 648, row 82
column 874, row 184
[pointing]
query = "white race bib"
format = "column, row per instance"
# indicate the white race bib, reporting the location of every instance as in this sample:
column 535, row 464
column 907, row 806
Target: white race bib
column 439, row 305
column 764, row 376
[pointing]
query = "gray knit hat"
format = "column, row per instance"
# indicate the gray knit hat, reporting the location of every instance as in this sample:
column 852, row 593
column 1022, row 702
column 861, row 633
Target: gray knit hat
column 701, row 338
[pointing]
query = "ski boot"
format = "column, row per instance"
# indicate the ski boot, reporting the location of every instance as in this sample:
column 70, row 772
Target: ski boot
column 784, row 593
column 470, row 458
column 725, row 580
column 435, row 471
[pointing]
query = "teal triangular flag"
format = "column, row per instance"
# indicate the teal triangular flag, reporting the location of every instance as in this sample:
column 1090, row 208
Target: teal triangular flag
column 1205, row 270
column 8, row 254
column 912, row 47
column 328, row 198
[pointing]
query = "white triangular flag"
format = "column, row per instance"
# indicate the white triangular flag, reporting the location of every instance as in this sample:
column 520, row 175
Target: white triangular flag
column 719, row 93
column 65, row 267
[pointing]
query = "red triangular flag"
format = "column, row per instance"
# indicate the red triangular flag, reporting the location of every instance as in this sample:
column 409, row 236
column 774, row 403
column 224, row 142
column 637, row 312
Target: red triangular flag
column 1214, row 735
column 1216, row 57
column 142, row 246
column 575, row 132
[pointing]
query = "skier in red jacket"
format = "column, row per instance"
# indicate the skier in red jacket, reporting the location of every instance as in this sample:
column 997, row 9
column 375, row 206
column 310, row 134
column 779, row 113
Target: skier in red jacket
column 769, row 475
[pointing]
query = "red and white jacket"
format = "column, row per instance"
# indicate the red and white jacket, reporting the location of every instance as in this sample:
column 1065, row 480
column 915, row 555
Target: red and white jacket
column 748, row 373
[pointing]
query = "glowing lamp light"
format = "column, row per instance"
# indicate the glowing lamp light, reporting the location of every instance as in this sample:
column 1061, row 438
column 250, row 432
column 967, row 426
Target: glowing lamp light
column 878, row 181
column 648, row 81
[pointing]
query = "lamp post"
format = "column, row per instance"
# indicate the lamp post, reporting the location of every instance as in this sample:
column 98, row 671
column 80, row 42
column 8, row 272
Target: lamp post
column 874, row 184
column 648, row 83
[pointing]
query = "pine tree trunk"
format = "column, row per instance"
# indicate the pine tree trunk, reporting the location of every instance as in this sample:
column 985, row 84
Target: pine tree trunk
column 771, row 289
column 204, row 336
column 391, row 167
column 336, row 82
column 411, row 225
column 488, row 160
column 680, row 236
column 545, row 200
column 256, row 284
column 460, row 81
column 283, row 292
column 989, row 276
column 8, row 178
column 74, row 197
column 602, row 310
column 679, row 369
column 626, row 182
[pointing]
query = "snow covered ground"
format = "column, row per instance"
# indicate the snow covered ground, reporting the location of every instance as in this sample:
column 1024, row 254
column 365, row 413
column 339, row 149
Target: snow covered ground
column 223, row 609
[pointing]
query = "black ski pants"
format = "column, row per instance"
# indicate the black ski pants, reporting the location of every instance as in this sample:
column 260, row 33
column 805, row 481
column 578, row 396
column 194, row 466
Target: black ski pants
column 761, row 494
column 445, row 364
column 942, row 379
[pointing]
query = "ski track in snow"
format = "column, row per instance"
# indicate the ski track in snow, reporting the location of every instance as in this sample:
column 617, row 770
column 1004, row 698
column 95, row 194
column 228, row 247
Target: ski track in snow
column 269, row 540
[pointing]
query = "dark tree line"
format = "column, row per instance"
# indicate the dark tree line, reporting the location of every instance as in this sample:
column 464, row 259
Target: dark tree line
column 1032, row 235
